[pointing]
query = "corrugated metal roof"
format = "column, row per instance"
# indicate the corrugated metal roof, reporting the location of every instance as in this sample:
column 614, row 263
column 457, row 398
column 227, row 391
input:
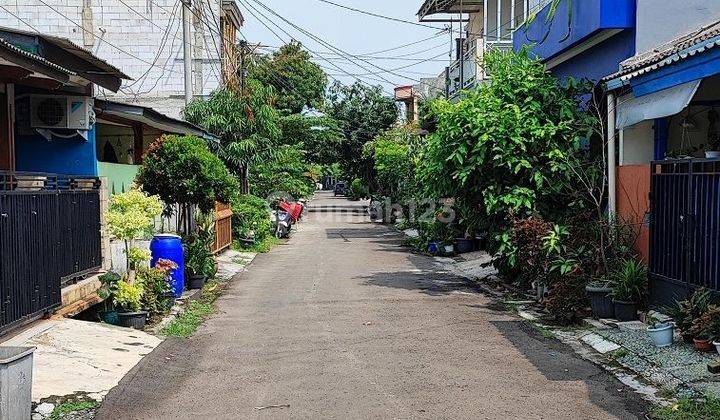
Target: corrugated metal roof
column 35, row 57
column 678, row 49
column 74, row 49
column 134, row 110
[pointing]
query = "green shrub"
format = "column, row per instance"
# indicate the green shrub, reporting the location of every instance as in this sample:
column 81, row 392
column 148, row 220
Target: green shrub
column 630, row 282
column 357, row 191
column 155, row 284
column 128, row 297
column 183, row 170
column 504, row 149
column 251, row 218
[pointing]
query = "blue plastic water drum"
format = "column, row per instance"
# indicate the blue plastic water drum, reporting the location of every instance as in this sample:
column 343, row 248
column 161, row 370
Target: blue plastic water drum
column 169, row 247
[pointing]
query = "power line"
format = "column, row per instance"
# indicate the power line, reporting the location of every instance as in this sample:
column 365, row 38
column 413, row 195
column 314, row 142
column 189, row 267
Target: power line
column 401, row 57
column 101, row 40
column 377, row 15
column 399, row 68
column 331, row 47
column 272, row 75
column 306, row 33
column 250, row 6
column 316, row 38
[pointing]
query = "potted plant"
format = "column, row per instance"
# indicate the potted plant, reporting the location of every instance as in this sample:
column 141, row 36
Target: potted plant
column 107, row 292
column 660, row 332
column 128, row 300
column 465, row 245
column 601, row 301
column 158, row 294
column 706, row 329
column 166, row 291
column 199, row 262
column 685, row 312
column 629, row 289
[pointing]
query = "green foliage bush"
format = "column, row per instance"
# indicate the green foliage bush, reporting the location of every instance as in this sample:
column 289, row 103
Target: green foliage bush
column 199, row 259
column 358, row 190
column 395, row 157
column 286, row 172
column 251, row 218
column 505, row 148
column 247, row 125
column 299, row 82
column 155, row 284
column 181, row 169
column 131, row 215
column 128, row 297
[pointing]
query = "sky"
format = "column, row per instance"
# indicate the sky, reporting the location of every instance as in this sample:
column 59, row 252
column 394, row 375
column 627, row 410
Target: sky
column 355, row 34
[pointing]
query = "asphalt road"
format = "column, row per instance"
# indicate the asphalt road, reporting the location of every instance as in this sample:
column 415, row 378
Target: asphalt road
column 341, row 322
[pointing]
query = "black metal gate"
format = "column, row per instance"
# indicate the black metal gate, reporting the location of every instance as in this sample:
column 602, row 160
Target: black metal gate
column 685, row 228
column 49, row 234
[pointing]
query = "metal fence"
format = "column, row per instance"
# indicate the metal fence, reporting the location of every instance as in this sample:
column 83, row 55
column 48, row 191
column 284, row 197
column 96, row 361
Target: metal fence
column 49, row 235
column 685, row 227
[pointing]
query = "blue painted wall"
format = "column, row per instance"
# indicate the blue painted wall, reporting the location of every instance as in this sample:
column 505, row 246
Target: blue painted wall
column 599, row 61
column 570, row 27
column 74, row 156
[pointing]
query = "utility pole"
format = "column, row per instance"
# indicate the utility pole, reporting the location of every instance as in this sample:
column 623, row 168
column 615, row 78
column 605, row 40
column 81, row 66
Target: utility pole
column 187, row 59
column 243, row 71
column 462, row 49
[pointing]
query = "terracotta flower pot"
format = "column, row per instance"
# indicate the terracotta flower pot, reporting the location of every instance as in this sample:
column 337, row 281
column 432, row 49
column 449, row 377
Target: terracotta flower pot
column 703, row 345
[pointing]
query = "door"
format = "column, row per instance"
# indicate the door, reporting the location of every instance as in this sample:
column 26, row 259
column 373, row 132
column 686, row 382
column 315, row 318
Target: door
column 684, row 228
column 7, row 149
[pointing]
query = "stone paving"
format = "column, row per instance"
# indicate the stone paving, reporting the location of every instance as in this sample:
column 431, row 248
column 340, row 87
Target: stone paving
column 679, row 368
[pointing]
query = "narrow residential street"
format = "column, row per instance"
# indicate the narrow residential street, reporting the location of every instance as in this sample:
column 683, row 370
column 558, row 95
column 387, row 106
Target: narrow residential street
column 342, row 322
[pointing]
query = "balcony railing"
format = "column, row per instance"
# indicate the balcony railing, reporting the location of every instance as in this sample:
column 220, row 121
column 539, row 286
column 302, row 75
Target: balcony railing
column 463, row 74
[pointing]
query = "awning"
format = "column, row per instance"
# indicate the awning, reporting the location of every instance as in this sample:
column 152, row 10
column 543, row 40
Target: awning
column 151, row 118
column 632, row 110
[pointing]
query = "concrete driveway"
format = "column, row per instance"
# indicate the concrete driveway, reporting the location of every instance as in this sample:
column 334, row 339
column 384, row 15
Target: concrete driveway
column 341, row 322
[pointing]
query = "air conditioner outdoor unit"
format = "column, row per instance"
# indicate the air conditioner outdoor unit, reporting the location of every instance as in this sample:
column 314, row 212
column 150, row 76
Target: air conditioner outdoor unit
column 67, row 112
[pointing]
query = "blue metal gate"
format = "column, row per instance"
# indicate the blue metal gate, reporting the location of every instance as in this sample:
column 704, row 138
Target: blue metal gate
column 684, row 228
column 49, row 234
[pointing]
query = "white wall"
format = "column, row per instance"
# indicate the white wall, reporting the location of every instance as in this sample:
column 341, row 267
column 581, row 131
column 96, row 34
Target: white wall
column 660, row 21
column 637, row 144
column 151, row 52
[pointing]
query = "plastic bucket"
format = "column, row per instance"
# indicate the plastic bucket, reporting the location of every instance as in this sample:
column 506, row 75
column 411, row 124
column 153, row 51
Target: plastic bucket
column 169, row 247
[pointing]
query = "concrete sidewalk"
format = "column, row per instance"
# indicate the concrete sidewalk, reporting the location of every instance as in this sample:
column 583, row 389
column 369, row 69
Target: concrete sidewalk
column 79, row 356
column 91, row 358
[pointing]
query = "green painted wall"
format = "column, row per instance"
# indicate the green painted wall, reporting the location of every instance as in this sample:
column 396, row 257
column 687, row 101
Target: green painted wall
column 120, row 177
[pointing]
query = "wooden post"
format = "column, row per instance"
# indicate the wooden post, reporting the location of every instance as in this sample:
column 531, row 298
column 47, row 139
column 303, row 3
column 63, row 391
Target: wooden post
column 138, row 144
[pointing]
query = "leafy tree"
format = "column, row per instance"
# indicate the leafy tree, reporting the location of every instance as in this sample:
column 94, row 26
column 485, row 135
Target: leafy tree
column 395, row 156
column 505, row 148
column 251, row 218
column 183, row 170
column 248, row 125
column 319, row 137
column 363, row 113
column 298, row 81
column 286, row 172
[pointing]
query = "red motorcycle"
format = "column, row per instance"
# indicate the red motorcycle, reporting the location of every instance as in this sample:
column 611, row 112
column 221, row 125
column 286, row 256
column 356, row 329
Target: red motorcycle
column 294, row 209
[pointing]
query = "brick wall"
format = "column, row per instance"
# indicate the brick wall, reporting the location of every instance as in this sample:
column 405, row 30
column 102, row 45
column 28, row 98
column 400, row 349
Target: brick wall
column 114, row 24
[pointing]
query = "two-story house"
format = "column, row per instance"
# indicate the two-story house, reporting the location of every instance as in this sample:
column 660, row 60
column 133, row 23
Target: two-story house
column 478, row 26
column 657, row 70
column 143, row 38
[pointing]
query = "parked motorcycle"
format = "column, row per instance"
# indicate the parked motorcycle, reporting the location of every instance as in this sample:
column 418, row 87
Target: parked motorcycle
column 281, row 222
